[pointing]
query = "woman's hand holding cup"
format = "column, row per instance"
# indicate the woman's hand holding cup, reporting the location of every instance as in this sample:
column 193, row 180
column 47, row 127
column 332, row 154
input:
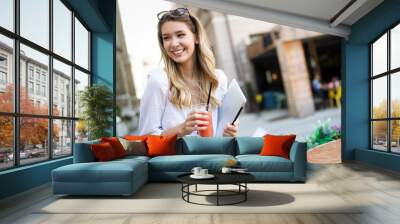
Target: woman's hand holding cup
column 195, row 121
column 205, row 127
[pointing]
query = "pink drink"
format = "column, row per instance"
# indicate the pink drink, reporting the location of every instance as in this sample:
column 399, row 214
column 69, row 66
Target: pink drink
column 209, row 131
column 202, row 107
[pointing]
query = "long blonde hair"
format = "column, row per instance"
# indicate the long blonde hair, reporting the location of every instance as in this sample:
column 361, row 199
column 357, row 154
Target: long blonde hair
column 204, row 65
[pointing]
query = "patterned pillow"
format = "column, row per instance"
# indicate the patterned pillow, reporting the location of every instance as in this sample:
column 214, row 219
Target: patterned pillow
column 134, row 147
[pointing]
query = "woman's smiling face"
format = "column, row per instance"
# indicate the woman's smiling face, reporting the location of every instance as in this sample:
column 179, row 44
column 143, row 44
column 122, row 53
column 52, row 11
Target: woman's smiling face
column 178, row 41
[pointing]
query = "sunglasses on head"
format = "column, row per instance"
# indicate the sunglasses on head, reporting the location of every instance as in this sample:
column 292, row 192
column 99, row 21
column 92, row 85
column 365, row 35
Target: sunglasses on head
column 174, row 13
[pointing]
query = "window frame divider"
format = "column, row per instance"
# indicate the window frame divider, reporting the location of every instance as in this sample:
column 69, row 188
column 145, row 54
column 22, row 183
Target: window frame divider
column 16, row 114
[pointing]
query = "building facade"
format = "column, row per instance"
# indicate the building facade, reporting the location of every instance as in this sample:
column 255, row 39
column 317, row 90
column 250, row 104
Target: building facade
column 246, row 49
column 34, row 90
column 127, row 100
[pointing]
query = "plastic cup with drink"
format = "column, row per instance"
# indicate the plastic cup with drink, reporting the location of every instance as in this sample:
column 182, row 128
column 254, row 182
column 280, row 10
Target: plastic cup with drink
column 202, row 108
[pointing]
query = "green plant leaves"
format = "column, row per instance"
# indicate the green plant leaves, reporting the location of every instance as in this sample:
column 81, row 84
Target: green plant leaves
column 96, row 102
column 323, row 133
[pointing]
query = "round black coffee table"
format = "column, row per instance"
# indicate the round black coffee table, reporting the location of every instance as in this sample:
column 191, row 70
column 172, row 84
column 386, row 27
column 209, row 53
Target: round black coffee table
column 238, row 179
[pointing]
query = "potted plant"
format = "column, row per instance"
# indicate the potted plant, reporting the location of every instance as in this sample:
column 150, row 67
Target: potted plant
column 96, row 103
column 324, row 143
column 323, row 133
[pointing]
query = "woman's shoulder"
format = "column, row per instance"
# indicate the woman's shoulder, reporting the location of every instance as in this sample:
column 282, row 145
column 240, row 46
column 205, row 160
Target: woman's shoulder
column 157, row 78
column 221, row 76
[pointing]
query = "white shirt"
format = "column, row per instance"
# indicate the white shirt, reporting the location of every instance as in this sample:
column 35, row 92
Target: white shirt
column 157, row 113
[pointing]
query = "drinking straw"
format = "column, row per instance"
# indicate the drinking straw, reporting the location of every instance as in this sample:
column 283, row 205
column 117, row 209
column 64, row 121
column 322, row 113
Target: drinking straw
column 209, row 94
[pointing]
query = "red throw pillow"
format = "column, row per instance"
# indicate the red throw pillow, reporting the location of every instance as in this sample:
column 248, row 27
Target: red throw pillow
column 277, row 145
column 159, row 145
column 116, row 145
column 103, row 151
column 135, row 137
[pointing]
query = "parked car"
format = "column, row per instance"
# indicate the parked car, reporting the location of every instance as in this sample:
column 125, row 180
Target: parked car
column 22, row 155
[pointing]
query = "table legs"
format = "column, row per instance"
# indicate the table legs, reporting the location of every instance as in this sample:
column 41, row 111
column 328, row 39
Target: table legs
column 217, row 194
column 242, row 190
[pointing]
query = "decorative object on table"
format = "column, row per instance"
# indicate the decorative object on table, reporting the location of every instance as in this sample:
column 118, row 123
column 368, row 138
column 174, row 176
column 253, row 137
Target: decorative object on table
column 96, row 105
column 226, row 170
column 202, row 176
column 200, row 173
column 239, row 170
column 196, row 170
column 232, row 163
column 228, row 165
column 323, row 133
column 236, row 170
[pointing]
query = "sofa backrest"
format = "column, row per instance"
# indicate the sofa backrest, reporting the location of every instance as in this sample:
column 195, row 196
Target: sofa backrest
column 83, row 152
column 249, row 145
column 190, row 145
column 193, row 145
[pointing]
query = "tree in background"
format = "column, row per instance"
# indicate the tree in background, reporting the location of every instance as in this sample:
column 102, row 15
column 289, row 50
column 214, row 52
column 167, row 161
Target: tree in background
column 33, row 130
column 97, row 103
column 81, row 129
column 380, row 128
column 6, row 122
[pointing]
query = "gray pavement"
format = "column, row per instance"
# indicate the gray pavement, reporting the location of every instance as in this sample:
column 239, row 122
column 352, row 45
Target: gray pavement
column 279, row 122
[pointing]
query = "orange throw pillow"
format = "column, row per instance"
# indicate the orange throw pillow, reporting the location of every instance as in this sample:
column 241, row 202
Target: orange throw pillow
column 103, row 151
column 135, row 137
column 277, row 145
column 159, row 145
column 116, row 145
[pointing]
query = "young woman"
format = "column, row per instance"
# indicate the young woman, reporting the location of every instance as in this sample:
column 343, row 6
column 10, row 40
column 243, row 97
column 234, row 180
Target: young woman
column 166, row 105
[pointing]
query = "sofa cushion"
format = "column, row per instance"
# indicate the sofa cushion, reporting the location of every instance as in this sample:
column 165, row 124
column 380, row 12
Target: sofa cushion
column 116, row 145
column 257, row 163
column 277, row 145
column 185, row 163
column 134, row 147
column 111, row 171
column 194, row 145
column 83, row 152
column 103, row 151
column 249, row 145
column 131, row 158
column 159, row 145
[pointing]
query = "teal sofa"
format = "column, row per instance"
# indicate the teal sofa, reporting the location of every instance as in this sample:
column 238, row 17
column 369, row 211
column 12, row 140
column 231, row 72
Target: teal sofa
column 125, row 176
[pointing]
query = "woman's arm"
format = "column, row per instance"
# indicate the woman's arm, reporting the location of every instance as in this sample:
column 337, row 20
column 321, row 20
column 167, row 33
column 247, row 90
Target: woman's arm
column 195, row 121
column 152, row 105
column 177, row 130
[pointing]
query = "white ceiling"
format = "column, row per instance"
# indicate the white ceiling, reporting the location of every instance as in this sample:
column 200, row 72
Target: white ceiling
column 314, row 15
